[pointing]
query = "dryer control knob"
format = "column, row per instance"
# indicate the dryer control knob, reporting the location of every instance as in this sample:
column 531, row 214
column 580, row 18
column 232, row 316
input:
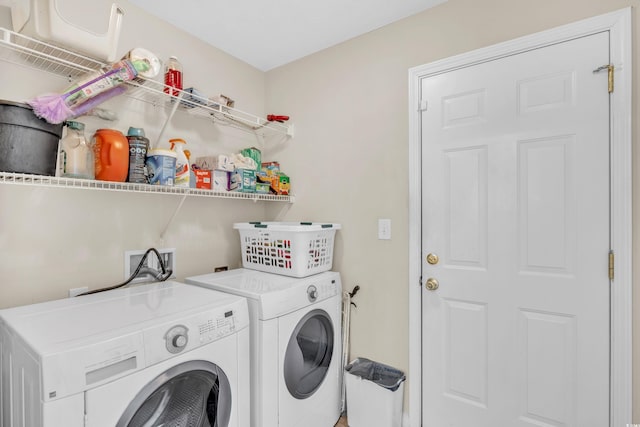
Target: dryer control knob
column 312, row 293
column 176, row 339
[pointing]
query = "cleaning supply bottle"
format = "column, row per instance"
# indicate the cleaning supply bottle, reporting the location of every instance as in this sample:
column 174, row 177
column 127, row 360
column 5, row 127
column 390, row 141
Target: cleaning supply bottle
column 76, row 153
column 138, row 147
column 111, row 151
column 183, row 169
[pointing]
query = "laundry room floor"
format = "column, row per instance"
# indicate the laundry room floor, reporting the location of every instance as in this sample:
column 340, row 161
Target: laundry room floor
column 342, row 422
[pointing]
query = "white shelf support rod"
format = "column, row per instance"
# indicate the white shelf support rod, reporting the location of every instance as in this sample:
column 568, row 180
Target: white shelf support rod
column 166, row 122
column 175, row 214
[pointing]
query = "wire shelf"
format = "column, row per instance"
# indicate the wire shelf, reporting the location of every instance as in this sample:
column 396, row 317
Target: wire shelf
column 157, row 93
column 86, row 184
column 22, row 50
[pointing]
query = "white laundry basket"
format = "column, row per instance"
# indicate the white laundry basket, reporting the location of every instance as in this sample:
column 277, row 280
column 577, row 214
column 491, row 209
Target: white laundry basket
column 374, row 394
column 297, row 249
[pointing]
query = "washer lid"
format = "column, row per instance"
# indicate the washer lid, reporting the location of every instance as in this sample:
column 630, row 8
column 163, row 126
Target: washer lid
column 275, row 294
column 65, row 324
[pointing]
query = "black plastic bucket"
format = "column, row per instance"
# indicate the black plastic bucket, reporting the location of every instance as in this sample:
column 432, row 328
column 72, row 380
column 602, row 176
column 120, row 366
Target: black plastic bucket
column 28, row 144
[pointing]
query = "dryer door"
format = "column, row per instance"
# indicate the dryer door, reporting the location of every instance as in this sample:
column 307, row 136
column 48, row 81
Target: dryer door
column 308, row 354
column 194, row 393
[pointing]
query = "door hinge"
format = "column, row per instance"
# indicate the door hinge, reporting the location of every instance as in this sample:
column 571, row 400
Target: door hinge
column 423, row 105
column 612, row 262
column 610, row 69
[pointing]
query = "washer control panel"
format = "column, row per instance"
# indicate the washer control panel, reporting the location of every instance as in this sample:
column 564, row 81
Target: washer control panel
column 218, row 327
column 321, row 290
column 163, row 341
column 176, row 338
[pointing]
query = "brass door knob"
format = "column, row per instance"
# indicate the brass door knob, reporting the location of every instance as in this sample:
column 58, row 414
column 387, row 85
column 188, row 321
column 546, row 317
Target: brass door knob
column 432, row 259
column 432, row 284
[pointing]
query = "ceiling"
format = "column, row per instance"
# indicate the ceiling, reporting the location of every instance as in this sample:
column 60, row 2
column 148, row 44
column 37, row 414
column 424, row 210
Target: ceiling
column 270, row 33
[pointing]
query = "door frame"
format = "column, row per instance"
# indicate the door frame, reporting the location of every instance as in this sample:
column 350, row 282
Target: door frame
column 618, row 23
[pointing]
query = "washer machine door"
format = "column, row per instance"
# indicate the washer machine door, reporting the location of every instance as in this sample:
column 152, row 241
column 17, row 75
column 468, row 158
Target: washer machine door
column 308, row 355
column 194, row 393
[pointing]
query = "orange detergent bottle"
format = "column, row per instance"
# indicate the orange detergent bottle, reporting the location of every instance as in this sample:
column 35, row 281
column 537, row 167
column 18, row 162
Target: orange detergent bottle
column 111, row 150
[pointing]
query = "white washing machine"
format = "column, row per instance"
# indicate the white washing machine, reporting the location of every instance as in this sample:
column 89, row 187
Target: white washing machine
column 163, row 354
column 296, row 344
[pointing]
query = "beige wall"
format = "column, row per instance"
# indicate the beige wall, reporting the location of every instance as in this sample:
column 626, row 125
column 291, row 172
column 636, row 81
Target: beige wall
column 348, row 162
column 54, row 239
column 350, row 155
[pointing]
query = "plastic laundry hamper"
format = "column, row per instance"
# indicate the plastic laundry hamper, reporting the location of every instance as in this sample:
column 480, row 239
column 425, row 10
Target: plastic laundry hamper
column 374, row 394
column 297, row 249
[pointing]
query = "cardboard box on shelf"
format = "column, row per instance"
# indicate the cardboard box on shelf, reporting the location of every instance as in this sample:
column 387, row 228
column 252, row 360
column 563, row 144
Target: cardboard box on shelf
column 262, row 188
column 244, row 179
column 270, row 168
column 220, row 162
column 202, row 178
column 221, row 180
column 280, row 184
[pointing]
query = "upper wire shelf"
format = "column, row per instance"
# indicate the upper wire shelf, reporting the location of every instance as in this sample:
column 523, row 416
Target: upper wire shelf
column 23, row 50
column 154, row 92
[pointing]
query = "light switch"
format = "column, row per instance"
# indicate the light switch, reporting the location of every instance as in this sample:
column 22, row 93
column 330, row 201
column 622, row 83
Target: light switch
column 384, row 229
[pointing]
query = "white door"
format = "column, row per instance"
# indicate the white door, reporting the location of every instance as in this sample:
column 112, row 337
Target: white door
column 515, row 204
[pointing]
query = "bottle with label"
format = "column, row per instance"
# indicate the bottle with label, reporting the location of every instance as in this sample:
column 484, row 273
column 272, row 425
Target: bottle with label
column 138, row 146
column 111, row 151
column 183, row 169
column 173, row 76
column 76, row 154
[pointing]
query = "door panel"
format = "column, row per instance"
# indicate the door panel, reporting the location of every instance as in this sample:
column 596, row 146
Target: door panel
column 515, row 170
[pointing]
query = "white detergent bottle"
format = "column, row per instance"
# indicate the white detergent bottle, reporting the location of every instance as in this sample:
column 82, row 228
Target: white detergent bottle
column 183, row 169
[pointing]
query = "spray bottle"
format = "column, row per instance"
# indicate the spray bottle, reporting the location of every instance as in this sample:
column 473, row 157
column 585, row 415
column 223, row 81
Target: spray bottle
column 183, row 169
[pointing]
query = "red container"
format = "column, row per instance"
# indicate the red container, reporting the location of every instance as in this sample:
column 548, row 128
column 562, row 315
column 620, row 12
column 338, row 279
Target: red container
column 173, row 76
column 111, row 150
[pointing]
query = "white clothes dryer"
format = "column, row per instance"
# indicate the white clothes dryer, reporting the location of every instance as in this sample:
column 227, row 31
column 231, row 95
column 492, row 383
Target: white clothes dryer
column 296, row 344
column 163, row 354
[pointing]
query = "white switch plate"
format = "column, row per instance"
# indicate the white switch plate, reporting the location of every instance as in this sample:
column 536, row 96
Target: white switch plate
column 384, row 229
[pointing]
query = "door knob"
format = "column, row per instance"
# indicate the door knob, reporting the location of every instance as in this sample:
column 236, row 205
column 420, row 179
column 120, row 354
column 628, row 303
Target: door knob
column 432, row 284
column 432, row 259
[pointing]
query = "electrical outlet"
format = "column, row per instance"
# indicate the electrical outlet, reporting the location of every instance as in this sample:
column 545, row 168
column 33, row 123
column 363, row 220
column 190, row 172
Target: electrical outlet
column 133, row 258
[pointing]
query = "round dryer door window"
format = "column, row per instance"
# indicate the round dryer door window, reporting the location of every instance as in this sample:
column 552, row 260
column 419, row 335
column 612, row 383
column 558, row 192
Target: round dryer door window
column 194, row 394
column 308, row 355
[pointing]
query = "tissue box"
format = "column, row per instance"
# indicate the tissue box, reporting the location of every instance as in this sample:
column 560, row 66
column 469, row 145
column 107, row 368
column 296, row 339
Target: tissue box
column 243, row 180
column 220, row 162
column 221, row 180
column 203, row 178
